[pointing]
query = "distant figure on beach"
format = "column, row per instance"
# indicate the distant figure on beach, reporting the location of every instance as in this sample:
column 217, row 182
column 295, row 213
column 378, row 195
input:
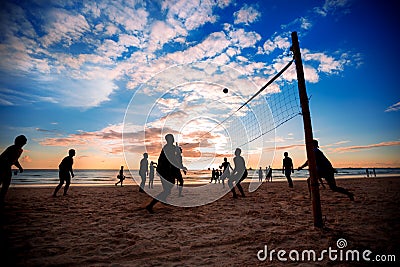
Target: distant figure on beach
column 226, row 172
column 120, row 176
column 167, row 168
column 287, row 168
column 180, row 166
column 65, row 172
column 8, row 158
column 217, row 176
column 367, row 171
column 373, row 171
column 325, row 170
column 212, row 175
column 268, row 176
column 143, row 171
column 151, row 173
column 260, row 175
column 239, row 173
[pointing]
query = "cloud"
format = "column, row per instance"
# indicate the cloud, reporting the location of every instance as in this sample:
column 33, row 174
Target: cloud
column 394, row 107
column 111, row 135
column 332, row 7
column 244, row 39
column 246, row 15
column 16, row 98
column 26, row 159
column 124, row 14
column 306, row 24
column 80, row 56
column 4, row 102
column 277, row 42
column 191, row 14
column 83, row 93
column 161, row 33
column 46, row 131
column 115, row 139
column 63, row 26
column 326, row 64
column 338, row 143
column 284, row 147
column 371, row 146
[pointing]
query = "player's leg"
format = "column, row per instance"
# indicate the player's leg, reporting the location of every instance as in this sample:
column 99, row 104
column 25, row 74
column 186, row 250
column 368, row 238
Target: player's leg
column 67, row 183
column 61, row 176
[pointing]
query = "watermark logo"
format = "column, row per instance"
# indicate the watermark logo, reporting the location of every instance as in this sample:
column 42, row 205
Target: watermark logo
column 340, row 253
column 341, row 243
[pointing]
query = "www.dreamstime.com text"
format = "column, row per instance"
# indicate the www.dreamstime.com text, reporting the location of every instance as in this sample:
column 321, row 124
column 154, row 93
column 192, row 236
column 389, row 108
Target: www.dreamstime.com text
column 332, row 254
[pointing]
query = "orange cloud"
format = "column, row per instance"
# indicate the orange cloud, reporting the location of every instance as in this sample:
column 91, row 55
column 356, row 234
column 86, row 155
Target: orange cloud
column 26, row 159
column 356, row 148
column 150, row 140
column 283, row 147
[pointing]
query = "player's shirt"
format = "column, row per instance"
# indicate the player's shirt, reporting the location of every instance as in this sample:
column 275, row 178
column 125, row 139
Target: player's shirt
column 10, row 156
column 66, row 164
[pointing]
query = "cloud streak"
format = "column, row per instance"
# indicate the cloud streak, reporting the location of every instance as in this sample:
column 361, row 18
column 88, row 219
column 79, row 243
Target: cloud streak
column 394, row 107
column 364, row 147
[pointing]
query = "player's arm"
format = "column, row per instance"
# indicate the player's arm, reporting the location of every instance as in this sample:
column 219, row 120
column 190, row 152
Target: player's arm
column 18, row 165
column 71, row 170
column 304, row 165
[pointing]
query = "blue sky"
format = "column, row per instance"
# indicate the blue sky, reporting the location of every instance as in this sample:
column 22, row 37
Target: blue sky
column 70, row 70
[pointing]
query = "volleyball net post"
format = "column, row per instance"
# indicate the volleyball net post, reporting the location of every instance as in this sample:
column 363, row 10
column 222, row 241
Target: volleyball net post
column 312, row 166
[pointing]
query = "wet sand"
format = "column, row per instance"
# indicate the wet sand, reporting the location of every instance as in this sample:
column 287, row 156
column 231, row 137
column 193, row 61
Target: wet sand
column 108, row 226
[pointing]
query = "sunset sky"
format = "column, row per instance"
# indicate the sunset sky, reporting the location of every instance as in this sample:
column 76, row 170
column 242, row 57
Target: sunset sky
column 111, row 78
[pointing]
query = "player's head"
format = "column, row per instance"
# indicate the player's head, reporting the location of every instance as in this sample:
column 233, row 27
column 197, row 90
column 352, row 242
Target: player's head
column 225, row 159
column 20, row 140
column 122, row 167
column 71, row 152
column 169, row 138
column 315, row 143
column 145, row 155
column 238, row 151
column 285, row 154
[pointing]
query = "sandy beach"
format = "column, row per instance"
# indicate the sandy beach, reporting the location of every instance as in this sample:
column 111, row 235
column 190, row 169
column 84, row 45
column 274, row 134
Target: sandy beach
column 108, row 226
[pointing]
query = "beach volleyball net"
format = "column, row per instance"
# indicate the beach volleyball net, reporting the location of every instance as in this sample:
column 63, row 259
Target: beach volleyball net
column 274, row 104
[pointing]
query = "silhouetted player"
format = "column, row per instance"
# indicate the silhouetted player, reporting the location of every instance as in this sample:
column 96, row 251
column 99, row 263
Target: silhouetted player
column 151, row 174
column 260, row 175
column 217, row 176
column 8, row 158
column 212, row 175
column 287, row 168
column 120, row 176
column 167, row 169
column 226, row 174
column 325, row 170
column 239, row 173
column 65, row 172
column 268, row 176
column 144, row 169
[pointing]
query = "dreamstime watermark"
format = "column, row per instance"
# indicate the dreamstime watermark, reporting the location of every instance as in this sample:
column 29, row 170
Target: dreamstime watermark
column 333, row 254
